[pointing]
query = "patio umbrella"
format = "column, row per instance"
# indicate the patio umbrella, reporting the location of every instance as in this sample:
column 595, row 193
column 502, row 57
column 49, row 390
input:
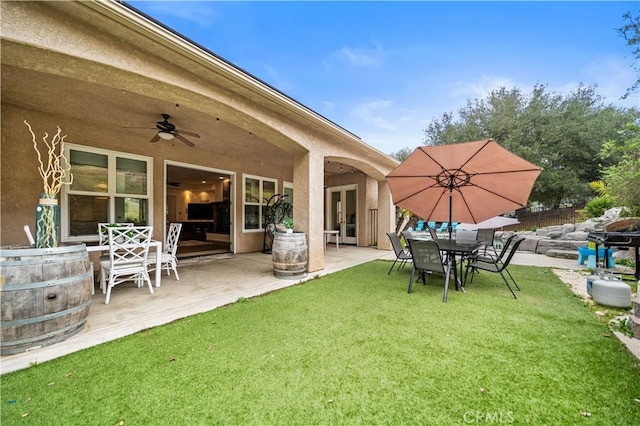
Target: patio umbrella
column 491, row 223
column 466, row 182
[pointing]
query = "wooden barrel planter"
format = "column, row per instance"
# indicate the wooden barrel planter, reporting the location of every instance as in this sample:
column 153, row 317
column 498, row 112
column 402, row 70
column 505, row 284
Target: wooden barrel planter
column 289, row 254
column 45, row 295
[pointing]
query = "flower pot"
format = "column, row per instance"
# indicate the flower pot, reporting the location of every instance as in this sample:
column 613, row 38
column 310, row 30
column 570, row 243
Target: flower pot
column 47, row 221
column 289, row 254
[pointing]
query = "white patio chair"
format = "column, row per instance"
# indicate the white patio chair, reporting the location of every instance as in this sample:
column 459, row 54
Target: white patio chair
column 103, row 240
column 168, row 258
column 128, row 253
column 103, row 235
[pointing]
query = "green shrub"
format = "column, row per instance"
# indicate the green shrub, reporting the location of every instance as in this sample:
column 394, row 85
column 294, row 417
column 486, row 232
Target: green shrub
column 597, row 206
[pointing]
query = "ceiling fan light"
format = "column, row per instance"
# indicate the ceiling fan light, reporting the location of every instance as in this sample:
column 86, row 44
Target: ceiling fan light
column 165, row 135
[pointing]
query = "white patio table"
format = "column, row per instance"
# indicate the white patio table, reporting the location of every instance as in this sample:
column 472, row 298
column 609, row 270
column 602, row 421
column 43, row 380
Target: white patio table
column 327, row 233
column 156, row 245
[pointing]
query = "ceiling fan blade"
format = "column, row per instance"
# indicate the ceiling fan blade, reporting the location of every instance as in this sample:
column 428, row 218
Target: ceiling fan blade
column 156, row 138
column 186, row 141
column 165, row 126
column 184, row 132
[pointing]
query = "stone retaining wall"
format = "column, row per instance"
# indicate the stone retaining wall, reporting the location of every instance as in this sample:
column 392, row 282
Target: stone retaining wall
column 562, row 240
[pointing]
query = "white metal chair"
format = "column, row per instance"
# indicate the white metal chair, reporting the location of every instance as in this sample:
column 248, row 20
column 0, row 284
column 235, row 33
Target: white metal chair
column 168, row 258
column 128, row 253
column 103, row 235
column 103, row 240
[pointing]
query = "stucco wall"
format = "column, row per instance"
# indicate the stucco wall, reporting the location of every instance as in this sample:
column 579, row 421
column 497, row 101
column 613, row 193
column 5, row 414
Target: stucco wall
column 21, row 183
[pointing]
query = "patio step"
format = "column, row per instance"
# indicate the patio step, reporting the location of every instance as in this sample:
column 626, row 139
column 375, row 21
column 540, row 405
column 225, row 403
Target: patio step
column 565, row 254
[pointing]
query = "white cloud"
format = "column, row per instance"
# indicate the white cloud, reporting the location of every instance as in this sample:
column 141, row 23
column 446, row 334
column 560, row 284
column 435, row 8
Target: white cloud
column 375, row 113
column 481, row 87
column 385, row 125
column 328, row 105
column 363, row 57
column 613, row 76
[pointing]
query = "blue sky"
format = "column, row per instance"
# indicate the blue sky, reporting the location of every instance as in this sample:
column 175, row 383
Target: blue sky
column 385, row 70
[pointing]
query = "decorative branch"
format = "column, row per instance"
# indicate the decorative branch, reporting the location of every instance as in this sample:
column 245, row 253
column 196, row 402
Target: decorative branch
column 57, row 166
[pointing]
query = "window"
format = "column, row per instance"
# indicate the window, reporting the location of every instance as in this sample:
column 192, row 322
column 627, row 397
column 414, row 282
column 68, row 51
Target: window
column 108, row 186
column 257, row 192
column 288, row 190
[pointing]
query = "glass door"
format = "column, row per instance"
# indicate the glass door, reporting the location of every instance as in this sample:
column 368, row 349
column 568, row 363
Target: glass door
column 341, row 213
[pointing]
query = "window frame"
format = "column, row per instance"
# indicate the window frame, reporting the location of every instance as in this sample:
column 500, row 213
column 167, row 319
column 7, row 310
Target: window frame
column 111, row 193
column 261, row 204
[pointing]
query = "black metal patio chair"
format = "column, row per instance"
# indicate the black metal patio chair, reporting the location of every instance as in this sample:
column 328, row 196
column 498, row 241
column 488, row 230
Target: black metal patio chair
column 427, row 259
column 402, row 255
column 497, row 264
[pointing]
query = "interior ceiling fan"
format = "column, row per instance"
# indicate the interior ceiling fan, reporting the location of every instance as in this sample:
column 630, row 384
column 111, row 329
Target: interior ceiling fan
column 167, row 131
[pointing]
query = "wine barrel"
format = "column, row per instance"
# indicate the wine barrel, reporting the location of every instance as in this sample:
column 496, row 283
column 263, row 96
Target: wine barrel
column 289, row 254
column 45, row 295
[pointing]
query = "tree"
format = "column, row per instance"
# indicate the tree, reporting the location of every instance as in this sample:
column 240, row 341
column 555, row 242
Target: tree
column 562, row 134
column 623, row 178
column 402, row 154
column 631, row 33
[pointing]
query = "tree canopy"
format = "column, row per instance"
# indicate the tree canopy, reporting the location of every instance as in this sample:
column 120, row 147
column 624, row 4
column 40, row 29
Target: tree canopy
column 623, row 177
column 631, row 33
column 562, row 134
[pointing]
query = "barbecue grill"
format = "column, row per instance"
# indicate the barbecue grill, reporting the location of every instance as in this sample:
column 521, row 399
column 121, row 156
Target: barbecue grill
column 617, row 239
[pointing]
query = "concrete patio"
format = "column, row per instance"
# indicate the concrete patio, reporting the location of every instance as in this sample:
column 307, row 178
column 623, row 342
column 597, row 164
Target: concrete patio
column 203, row 287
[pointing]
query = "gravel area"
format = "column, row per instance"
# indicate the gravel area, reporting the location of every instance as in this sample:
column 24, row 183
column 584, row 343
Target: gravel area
column 576, row 280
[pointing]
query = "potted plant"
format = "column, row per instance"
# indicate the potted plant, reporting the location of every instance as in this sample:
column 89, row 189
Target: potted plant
column 278, row 209
column 55, row 171
column 288, row 223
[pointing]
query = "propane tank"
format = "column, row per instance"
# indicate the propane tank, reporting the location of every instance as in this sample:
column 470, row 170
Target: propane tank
column 590, row 279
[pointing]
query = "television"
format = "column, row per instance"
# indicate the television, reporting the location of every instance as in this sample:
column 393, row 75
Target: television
column 200, row 211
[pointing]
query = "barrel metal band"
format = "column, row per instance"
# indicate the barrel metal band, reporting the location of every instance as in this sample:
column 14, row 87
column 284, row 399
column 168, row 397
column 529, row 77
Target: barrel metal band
column 46, row 317
column 62, row 333
column 40, row 252
column 48, row 283
column 41, row 260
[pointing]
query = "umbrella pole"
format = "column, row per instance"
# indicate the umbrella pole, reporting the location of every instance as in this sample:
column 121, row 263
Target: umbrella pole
column 450, row 209
column 448, row 274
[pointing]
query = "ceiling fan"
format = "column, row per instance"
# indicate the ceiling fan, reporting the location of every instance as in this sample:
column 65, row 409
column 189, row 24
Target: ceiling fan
column 167, row 131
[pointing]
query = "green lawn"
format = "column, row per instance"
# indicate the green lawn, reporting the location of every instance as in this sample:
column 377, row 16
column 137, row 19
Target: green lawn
column 351, row 348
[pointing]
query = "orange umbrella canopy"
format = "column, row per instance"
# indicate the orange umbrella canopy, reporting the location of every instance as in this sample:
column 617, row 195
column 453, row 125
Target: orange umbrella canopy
column 465, row 182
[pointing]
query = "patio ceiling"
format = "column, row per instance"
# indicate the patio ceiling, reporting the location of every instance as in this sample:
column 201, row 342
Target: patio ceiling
column 117, row 110
column 112, row 109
